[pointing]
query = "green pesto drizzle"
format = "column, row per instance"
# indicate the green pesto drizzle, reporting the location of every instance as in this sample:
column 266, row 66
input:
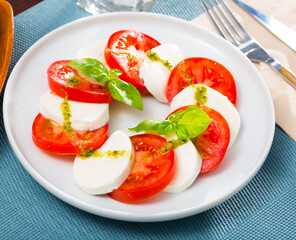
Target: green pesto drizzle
column 188, row 78
column 66, row 110
column 72, row 81
column 86, row 153
column 130, row 56
column 116, row 153
column 200, row 95
column 173, row 144
column 127, row 53
column 153, row 56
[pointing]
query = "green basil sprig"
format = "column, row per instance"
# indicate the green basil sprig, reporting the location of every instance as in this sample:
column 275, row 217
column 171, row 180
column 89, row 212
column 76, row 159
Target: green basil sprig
column 186, row 124
column 120, row 90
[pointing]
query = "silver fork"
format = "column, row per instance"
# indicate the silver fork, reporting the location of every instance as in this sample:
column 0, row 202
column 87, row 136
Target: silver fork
column 229, row 28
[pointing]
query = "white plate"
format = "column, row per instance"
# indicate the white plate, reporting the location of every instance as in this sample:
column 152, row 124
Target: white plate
column 29, row 80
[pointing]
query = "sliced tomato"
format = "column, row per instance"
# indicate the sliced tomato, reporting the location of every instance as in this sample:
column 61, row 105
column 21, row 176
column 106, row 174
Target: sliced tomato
column 52, row 138
column 152, row 170
column 81, row 90
column 203, row 71
column 126, row 51
column 212, row 144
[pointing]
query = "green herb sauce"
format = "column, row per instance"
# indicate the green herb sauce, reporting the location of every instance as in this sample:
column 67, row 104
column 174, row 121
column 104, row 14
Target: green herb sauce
column 72, row 81
column 173, row 144
column 200, row 95
column 66, row 110
column 188, row 78
column 86, row 153
column 130, row 56
column 91, row 153
column 153, row 56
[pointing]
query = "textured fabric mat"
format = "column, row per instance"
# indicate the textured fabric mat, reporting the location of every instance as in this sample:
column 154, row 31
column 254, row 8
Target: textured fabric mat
column 264, row 209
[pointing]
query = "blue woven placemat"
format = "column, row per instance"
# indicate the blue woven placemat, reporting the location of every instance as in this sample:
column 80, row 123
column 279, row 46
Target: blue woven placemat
column 264, row 209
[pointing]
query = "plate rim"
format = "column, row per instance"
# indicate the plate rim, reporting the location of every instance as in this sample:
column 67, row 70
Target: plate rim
column 109, row 213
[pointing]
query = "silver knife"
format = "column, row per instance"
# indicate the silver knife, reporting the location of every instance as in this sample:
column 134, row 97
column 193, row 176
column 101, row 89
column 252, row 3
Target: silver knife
column 284, row 33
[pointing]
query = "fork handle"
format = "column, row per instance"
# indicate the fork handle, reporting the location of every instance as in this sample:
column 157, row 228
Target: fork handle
column 287, row 74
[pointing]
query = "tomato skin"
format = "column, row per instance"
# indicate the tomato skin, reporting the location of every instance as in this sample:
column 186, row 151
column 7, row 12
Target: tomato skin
column 52, row 138
column 212, row 144
column 203, row 71
column 151, row 172
column 58, row 73
column 126, row 50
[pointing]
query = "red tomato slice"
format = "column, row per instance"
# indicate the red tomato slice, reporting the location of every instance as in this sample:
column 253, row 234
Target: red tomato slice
column 204, row 71
column 212, row 144
column 126, row 51
column 152, row 170
column 84, row 91
column 52, row 138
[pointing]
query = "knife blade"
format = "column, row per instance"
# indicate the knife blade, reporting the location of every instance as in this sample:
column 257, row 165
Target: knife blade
column 281, row 31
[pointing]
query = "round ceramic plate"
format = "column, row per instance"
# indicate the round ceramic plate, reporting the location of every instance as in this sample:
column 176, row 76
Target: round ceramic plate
column 28, row 82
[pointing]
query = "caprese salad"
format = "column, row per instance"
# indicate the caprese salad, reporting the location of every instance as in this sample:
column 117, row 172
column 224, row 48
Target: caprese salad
column 163, row 154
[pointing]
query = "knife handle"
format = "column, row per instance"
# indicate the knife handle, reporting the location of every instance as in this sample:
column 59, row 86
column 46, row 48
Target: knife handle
column 287, row 74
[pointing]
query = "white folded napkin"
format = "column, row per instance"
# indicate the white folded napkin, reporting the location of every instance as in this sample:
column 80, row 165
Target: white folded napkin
column 283, row 95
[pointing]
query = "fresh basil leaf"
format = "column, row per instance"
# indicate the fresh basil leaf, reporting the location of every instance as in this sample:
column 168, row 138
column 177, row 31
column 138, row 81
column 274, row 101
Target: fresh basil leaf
column 162, row 127
column 166, row 127
column 91, row 68
column 125, row 92
column 146, row 125
column 192, row 123
column 175, row 117
column 114, row 73
column 186, row 124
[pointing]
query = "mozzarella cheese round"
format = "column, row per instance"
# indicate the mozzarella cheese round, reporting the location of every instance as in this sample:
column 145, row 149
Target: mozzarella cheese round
column 106, row 170
column 94, row 50
column 216, row 101
column 155, row 74
column 85, row 116
column 188, row 167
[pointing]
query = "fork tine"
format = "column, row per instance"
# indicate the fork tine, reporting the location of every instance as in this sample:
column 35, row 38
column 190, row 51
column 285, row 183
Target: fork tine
column 239, row 35
column 234, row 20
column 224, row 21
column 220, row 26
column 207, row 11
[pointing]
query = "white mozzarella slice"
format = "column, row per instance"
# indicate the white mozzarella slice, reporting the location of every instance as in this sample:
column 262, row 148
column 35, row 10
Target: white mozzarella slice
column 188, row 167
column 93, row 50
column 85, row 116
column 216, row 101
column 106, row 171
column 155, row 74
